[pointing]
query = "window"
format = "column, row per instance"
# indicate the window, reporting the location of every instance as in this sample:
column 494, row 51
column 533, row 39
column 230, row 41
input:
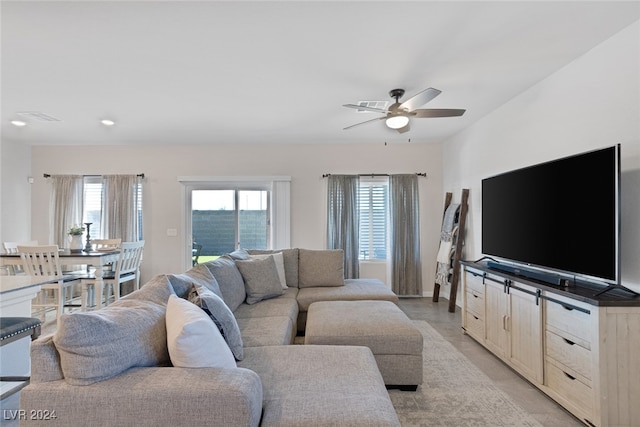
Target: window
column 224, row 213
column 373, row 200
column 223, row 220
column 92, row 206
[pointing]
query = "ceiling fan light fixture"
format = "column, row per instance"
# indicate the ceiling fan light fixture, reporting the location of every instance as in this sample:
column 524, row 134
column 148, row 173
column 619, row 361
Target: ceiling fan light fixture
column 397, row 122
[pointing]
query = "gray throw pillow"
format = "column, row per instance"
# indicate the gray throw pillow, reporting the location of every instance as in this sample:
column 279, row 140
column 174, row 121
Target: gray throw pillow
column 230, row 281
column 239, row 254
column 98, row 345
column 218, row 311
column 290, row 257
column 198, row 275
column 318, row 268
column 260, row 278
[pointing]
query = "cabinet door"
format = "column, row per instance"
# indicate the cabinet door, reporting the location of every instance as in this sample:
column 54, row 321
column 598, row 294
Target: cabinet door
column 525, row 328
column 496, row 317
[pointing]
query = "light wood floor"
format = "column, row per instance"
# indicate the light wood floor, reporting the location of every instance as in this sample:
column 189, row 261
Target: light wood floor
column 542, row 408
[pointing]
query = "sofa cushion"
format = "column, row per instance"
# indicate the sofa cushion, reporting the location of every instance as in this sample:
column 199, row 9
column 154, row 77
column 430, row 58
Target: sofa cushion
column 353, row 290
column 223, row 318
column 260, row 279
column 321, row 268
column 229, row 280
column 199, row 275
column 155, row 290
column 262, row 331
column 290, row 257
column 279, row 259
column 193, row 340
column 281, row 306
column 97, row 345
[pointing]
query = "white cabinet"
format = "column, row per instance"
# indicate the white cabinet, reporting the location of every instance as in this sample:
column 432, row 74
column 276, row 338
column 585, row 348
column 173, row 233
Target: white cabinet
column 512, row 322
column 473, row 303
column 585, row 356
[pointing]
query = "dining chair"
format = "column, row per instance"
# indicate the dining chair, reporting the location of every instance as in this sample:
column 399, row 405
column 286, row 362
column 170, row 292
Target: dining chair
column 196, row 251
column 43, row 261
column 127, row 269
column 12, row 248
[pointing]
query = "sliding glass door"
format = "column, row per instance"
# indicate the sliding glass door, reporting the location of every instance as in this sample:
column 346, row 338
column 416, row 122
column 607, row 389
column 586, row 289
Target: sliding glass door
column 223, row 220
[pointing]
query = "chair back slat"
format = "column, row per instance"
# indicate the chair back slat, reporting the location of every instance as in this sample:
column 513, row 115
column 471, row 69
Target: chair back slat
column 130, row 258
column 40, row 260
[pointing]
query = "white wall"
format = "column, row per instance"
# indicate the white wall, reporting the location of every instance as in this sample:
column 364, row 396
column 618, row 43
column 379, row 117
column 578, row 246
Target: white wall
column 15, row 192
column 305, row 163
column 591, row 103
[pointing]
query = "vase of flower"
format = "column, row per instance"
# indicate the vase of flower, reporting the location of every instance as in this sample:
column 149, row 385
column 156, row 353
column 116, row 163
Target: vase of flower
column 75, row 239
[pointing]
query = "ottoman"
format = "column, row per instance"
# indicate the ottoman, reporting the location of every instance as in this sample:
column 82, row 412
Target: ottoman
column 320, row 386
column 380, row 325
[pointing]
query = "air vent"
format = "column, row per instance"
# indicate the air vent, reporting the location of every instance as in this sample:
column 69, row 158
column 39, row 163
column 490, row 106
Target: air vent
column 372, row 104
column 38, row 116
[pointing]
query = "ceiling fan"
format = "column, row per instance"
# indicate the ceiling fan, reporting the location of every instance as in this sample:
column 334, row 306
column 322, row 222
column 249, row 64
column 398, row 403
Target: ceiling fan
column 397, row 115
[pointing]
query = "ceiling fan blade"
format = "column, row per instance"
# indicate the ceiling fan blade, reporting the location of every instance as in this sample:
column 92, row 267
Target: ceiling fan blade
column 362, row 107
column 404, row 129
column 437, row 112
column 419, row 99
column 362, row 123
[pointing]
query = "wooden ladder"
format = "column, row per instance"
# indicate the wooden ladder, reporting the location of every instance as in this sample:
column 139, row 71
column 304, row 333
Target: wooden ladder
column 458, row 239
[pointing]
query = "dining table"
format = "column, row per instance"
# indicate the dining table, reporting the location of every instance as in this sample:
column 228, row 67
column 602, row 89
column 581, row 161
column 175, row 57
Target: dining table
column 96, row 259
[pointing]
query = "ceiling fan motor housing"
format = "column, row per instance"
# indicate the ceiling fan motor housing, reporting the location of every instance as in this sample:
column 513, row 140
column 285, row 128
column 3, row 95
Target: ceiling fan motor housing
column 396, row 93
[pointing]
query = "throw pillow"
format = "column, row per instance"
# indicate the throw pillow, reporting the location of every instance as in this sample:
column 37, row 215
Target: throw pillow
column 261, row 279
column 229, row 279
column 279, row 259
column 239, row 254
column 318, row 268
column 193, row 339
column 97, row 345
column 290, row 263
column 199, row 275
column 218, row 311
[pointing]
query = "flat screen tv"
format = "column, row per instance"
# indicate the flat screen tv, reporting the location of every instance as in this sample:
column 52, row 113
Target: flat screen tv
column 562, row 216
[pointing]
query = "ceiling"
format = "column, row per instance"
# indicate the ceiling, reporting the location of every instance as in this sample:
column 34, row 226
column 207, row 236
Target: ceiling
column 277, row 72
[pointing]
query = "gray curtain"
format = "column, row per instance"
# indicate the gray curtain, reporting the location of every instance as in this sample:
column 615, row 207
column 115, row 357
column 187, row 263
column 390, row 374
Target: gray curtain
column 343, row 220
column 65, row 207
column 406, row 269
column 120, row 201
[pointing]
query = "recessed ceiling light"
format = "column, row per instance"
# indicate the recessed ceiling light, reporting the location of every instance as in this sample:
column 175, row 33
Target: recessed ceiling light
column 107, row 122
column 18, row 123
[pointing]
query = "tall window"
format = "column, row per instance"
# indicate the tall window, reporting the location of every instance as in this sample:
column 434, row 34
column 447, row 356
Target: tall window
column 373, row 198
column 93, row 206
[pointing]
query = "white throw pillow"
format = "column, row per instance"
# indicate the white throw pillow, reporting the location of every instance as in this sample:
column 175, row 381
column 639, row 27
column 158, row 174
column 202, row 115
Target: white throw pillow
column 279, row 259
column 193, row 340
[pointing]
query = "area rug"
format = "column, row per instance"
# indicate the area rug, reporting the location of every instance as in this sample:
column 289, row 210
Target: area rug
column 455, row 393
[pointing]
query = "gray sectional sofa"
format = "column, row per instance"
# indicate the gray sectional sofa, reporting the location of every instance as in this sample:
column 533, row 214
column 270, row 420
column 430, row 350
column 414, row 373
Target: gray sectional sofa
column 112, row 366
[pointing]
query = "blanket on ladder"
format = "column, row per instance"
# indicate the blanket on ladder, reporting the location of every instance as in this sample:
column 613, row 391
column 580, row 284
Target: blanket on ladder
column 447, row 232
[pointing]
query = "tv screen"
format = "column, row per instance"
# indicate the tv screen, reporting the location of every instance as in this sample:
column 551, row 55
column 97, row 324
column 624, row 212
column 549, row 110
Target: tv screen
column 561, row 215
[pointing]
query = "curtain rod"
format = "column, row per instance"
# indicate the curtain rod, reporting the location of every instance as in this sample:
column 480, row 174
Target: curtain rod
column 424, row 174
column 46, row 175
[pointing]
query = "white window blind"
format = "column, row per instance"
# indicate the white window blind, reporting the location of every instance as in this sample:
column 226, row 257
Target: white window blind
column 92, row 209
column 373, row 199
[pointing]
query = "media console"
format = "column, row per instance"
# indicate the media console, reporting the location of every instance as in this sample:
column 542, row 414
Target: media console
column 577, row 345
